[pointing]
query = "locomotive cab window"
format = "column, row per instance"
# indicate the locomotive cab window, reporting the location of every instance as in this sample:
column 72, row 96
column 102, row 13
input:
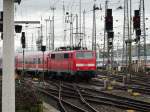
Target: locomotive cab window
column 52, row 56
column 66, row 55
column 84, row 55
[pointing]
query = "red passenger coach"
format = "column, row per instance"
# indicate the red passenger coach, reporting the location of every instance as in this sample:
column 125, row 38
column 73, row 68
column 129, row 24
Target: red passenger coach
column 62, row 64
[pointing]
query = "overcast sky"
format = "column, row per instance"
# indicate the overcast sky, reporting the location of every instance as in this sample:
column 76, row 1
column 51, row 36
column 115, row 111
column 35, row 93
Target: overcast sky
column 37, row 9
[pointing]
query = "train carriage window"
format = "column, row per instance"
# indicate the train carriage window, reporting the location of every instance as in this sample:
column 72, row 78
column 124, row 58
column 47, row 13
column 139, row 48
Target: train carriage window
column 52, row 56
column 59, row 56
column 66, row 55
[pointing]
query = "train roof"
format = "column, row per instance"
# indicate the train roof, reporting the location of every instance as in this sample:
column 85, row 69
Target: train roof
column 33, row 53
column 71, row 51
column 50, row 52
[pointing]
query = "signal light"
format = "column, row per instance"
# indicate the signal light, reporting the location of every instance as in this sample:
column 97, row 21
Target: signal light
column 1, row 27
column 109, row 23
column 138, row 32
column 43, row 48
column 110, row 44
column 110, row 34
column 17, row 1
column 136, row 20
column 1, row 16
column 109, row 20
column 136, row 13
column 18, row 28
column 1, row 19
column 109, row 12
column 23, row 40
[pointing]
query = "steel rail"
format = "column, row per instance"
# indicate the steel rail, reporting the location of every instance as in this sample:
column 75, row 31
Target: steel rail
column 127, row 101
column 84, row 101
column 63, row 101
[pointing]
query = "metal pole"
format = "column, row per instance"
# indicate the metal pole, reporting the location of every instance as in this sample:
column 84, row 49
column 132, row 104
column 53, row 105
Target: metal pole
column 84, row 40
column 50, row 36
column 76, row 29
column 64, row 24
column 93, row 30
column 53, row 37
column 104, row 34
column 80, row 20
column 53, row 40
column 46, row 34
column 43, row 67
column 23, row 64
column 130, row 37
column 8, row 77
column 71, row 28
column 41, row 35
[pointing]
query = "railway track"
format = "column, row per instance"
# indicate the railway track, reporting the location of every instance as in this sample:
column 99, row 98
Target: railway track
column 109, row 99
column 61, row 94
column 137, row 83
column 89, row 97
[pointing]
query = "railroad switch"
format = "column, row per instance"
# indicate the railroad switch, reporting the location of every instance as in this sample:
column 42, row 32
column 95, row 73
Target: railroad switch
column 130, row 110
column 133, row 93
column 113, row 82
column 35, row 79
column 124, row 80
column 106, row 83
column 110, row 87
column 136, row 94
column 130, row 91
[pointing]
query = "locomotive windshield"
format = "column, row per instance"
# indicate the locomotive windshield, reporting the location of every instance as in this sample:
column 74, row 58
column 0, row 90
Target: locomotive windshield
column 84, row 55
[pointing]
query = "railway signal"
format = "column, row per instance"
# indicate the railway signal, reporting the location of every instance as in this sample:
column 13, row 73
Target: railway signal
column 136, row 19
column 110, row 36
column 138, row 32
column 109, row 20
column 1, row 19
column 18, row 28
column 23, row 40
column 43, row 49
column 17, row 1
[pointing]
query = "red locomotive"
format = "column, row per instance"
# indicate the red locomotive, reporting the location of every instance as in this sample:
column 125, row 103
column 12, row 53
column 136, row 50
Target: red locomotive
column 62, row 64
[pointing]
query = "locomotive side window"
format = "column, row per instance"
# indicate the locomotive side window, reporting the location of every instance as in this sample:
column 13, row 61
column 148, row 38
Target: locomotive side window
column 66, row 56
column 59, row 56
column 52, row 56
column 84, row 55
